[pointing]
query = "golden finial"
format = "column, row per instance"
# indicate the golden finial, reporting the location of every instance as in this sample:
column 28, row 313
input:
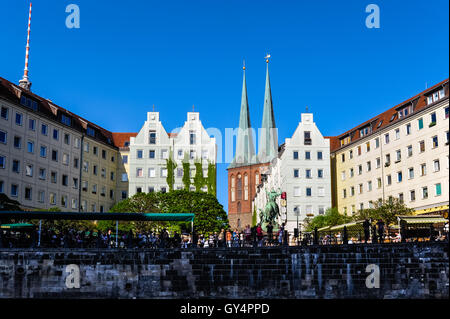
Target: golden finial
column 267, row 57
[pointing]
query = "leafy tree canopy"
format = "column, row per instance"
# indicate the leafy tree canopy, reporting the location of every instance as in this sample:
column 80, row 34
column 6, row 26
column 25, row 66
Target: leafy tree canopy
column 209, row 213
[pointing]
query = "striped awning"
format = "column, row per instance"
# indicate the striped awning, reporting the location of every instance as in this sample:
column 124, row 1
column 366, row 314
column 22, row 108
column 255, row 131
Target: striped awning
column 434, row 219
column 431, row 210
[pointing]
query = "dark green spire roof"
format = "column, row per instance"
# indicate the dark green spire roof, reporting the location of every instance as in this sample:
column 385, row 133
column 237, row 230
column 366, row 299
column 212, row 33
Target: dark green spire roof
column 268, row 135
column 245, row 150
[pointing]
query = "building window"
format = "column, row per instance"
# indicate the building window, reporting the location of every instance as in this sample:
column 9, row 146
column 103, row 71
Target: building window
column 424, row 192
column 307, row 155
column 411, row 172
column 103, row 154
column 408, row 129
column 399, row 177
column 164, row 154
column 44, row 129
column 152, row 137
column 369, row 166
column 124, row 159
column 55, row 134
column 296, row 174
column 319, row 155
column 139, row 172
column 412, row 195
column 344, row 193
column 192, row 140
column 30, row 147
column 377, row 142
column 343, row 158
column 3, row 137
column 65, row 159
column 423, row 169
column 124, row 177
column 360, row 169
column 14, row 190
column 41, row 196
column 233, row 181
column 163, row 172
column 352, row 172
column 437, row 166
column 438, row 189
column 192, row 154
column 343, row 175
column 308, row 191
column 308, row 173
column 239, row 187
column 369, row 186
column 16, row 166
column 368, row 147
column 53, row 177
column 19, row 119
column 435, row 141
column 432, row 119
column 386, row 138
column 151, row 172
column 410, row 151
column 388, row 179
column 422, row 146
column 2, row 161
column 397, row 133
column 379, row 182
column 52, row 199
column 65, row 120
column 420, row 123
column 296, row 191
column 32, row 124
column 29, row 170
column 28, row 193
column 350, row 154
column 245, row 187
column 320, row 173
column 307, row 138
column 4, row 113
column 17, row 142
column 54, row 155
column 65, row 180
column 90, row 131
column 139, row 153
column 398, row 156
column 295, row 155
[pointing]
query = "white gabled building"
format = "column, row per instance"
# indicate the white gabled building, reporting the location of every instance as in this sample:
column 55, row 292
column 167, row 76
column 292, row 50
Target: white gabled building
column 302, row 170
column 149, row 150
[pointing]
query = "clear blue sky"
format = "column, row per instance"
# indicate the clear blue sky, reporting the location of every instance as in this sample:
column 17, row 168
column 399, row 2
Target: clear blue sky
column 129, row 55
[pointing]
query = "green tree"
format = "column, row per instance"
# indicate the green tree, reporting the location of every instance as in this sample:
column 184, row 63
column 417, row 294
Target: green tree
column 332, row 217
column 254, row 217
column 209, row 213
column 387, row 211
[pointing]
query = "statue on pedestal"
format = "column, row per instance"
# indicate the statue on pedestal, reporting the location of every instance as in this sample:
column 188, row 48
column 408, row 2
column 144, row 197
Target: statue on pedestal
column 271, row 211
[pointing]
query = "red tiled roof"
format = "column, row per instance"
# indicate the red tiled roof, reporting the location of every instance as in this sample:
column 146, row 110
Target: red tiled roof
column 418, row 100
column 119, row 139
column 50, row 110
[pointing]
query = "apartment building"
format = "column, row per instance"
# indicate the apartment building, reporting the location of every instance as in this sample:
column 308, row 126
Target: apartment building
column 48, row 155
column 402, row 153
column 149, row 150
column 302, row 170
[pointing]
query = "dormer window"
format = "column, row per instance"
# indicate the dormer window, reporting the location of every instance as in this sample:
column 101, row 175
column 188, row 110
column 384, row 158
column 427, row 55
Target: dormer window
column 66, row 120
column 25, row 101
column 90, row 131
column 365, row 131
column 404, row 112
column 345, row 140
column 436, row 96
column 379, row 124
column 393, row 117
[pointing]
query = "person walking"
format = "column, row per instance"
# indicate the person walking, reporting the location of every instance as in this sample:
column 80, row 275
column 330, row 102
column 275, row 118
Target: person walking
column 366, row 226
column 270, row 233
column 228, row 238
column 259, row 234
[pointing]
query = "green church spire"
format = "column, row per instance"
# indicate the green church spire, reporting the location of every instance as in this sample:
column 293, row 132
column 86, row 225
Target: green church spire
column 268, row 135
column 245, row 151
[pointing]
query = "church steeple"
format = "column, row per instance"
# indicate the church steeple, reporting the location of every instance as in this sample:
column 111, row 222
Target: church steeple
column 268, row 135
column 245, row 151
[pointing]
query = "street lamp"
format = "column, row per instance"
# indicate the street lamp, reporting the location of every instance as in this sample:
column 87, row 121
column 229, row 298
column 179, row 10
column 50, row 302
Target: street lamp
column 297, row 212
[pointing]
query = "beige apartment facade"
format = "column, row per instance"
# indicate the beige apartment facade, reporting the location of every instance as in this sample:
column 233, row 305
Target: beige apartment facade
column 52, row 158
column 402, row 153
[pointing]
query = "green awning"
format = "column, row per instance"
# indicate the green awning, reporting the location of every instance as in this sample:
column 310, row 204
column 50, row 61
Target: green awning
column 424, row 219
column 353, row 225
column 178, row 217
column 16, row 226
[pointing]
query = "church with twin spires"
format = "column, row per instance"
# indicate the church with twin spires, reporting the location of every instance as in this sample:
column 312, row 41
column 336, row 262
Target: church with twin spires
column 244, row 172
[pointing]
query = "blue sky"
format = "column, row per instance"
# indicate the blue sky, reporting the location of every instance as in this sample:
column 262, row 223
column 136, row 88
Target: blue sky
column 129, row 55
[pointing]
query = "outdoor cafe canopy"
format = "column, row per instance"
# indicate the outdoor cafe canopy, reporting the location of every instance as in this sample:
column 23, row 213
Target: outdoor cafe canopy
column 350, row 226
column 185, row 217
column 430, row 219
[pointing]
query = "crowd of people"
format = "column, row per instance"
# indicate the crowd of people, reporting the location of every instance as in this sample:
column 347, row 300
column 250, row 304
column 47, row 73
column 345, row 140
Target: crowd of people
column 248, row 237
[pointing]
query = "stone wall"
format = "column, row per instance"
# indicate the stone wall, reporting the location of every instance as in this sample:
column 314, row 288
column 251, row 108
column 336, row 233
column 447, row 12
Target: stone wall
column 413, row 270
